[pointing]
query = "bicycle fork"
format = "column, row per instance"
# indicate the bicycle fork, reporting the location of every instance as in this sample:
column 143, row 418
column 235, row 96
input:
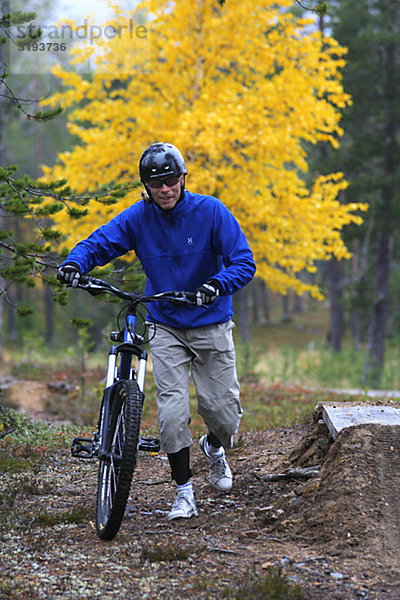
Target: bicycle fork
column 99, row 445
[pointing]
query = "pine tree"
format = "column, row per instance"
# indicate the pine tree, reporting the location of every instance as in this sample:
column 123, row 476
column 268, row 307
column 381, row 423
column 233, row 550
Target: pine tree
column 24, row 198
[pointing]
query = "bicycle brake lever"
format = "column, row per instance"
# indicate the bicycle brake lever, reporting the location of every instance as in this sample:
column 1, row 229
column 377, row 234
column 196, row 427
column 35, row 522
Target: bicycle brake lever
column 89, row 284
column 93, row 291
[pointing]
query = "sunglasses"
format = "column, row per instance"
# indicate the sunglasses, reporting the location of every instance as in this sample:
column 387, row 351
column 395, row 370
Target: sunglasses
column 158, row 183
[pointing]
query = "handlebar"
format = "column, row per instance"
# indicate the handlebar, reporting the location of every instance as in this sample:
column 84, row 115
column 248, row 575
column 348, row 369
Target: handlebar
column 96, row 286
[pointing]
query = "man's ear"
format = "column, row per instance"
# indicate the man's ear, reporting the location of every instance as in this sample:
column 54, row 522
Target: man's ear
column 146, row 194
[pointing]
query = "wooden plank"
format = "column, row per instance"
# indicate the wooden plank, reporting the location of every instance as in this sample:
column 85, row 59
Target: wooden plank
column 344, row 415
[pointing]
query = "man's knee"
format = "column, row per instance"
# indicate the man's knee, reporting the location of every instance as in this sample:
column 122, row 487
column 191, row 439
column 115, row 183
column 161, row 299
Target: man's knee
column 174, row 431
column 222, row 419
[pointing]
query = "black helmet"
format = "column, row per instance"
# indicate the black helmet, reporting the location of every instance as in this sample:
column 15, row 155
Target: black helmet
column 161, row 160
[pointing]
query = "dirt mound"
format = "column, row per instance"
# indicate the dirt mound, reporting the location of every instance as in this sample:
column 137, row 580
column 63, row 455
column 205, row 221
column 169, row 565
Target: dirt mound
column 353, row 502
column 31, row 396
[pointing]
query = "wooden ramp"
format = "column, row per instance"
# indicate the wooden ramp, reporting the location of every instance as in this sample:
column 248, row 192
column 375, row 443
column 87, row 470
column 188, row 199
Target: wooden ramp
column 344, row 414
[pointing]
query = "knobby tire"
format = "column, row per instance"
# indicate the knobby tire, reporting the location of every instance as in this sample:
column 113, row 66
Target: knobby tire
column 116, row 471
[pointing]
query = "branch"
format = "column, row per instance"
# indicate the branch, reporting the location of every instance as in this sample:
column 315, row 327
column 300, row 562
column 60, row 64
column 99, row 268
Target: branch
column 39, row 116
column 47, row 260
column 116, row 191
column 28, row 208
column 298, row 473
column 6, row 21
column 320, row 9
column 26, row 197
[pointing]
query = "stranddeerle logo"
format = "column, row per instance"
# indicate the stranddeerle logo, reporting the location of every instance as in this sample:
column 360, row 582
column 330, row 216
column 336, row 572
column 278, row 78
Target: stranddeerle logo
column 37, row 47
column 85, row 31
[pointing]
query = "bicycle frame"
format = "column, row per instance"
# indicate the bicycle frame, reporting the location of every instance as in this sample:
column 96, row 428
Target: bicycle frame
column 126, row 350
column 129, row 346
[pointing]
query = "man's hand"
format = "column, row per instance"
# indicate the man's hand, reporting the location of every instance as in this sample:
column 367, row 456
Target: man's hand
column 206, row 294
column 69, row 274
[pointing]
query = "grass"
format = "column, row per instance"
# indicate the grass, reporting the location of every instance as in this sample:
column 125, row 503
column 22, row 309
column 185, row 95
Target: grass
column 167, row 552
column 24, row 454
column 271, row 586
column 317, row 366
column 297, row 353
column 77, row 514
column 30, row 441
column 16, row 590
column 10, row 517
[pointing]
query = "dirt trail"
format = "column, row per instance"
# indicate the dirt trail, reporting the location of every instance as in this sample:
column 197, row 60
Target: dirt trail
column 337, row 535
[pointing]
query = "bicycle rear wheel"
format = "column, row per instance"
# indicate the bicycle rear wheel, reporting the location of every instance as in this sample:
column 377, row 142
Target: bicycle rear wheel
column 116, row 471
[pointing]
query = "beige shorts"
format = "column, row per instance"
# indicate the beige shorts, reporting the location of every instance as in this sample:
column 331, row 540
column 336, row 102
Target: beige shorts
column 209, row 354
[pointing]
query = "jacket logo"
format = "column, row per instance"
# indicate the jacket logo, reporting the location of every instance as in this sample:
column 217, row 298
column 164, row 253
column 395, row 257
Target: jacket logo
column 190, row 241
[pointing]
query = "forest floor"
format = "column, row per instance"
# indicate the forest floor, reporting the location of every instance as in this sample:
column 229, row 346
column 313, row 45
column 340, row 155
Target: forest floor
column 334, row 537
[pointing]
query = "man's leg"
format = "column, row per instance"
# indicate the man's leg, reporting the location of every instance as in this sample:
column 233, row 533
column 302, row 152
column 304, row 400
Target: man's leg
column 171, row 362
column 217, row 387
column 180, row 466
column 184, row 505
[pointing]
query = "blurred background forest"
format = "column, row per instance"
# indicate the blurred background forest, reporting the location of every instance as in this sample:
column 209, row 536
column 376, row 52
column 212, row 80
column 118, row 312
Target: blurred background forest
column 348, row 339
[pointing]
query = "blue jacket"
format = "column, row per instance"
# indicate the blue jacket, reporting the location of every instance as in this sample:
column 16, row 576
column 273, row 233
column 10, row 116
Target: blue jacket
column 180, row 250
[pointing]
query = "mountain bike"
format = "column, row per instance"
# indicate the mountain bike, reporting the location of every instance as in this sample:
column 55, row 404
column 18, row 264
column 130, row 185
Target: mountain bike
column 117, row 440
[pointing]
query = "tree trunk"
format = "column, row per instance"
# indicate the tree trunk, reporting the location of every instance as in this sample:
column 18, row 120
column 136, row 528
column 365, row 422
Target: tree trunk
column 12, row 331
column 375, row 355
column 298, row 304
column 244, row 329
column 2, row 10
column 285, row 308
column 255, row 297
column 355, row 328
column 96, row 329
column 260, row 304
column 49, row 316
column 14, row 292
column 48, row 302
column 264, row 301
column 336, row 325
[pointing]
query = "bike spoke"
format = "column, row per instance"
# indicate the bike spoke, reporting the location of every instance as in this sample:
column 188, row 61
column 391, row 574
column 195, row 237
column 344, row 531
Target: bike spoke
column 115, row 474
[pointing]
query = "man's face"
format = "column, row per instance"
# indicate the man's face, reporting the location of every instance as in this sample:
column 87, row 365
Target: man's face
column 166, row 191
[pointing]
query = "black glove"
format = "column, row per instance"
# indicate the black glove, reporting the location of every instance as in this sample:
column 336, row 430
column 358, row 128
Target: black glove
column 207, row 293
column 69, row 274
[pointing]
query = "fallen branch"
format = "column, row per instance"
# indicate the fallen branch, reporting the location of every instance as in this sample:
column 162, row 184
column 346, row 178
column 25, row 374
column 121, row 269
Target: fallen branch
column 158, row 482
column 3, row 435
column 223, row 550
column 306, row 473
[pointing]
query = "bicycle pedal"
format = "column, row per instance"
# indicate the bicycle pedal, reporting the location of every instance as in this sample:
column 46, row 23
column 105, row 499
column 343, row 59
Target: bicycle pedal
column 149, row 445
column 83, row 448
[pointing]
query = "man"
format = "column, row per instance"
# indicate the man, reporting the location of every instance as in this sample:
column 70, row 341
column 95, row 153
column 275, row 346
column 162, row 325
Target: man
column 192, row 242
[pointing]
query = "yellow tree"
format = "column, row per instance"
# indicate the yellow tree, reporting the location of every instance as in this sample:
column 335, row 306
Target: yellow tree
column 239, row 89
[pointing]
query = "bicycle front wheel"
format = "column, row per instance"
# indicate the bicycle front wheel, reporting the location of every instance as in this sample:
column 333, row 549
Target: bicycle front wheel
column 116, row 470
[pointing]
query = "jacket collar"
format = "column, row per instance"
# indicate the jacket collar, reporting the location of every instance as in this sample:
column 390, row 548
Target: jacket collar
column 178, row 208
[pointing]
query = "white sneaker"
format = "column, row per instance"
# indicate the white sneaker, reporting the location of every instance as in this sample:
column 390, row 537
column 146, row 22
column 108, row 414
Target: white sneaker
column 220, row 473
column 183, row 507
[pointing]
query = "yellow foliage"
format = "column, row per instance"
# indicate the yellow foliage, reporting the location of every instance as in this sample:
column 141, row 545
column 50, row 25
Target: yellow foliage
column 238, row 89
